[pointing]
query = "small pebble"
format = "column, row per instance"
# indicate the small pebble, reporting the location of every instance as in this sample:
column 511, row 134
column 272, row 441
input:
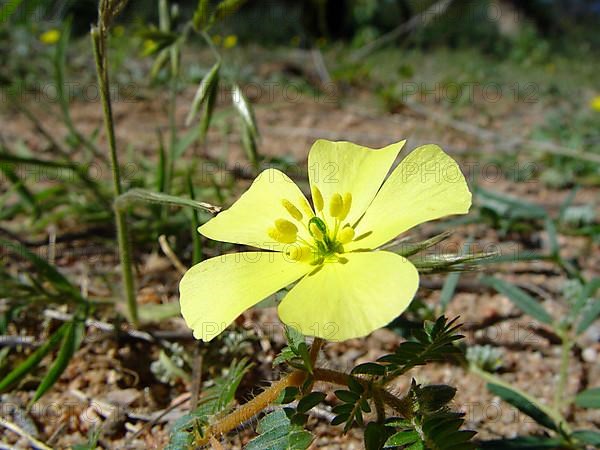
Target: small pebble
column 590, row 355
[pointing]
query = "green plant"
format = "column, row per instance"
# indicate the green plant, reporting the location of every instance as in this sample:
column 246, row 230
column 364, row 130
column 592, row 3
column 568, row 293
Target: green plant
column 583, row 309
column 420, row 418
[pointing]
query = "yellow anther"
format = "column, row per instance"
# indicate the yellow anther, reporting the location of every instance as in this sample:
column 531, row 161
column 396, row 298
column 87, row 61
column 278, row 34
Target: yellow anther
column 346, row 235
column 294, row 212
column 317, row 198
column 316, row 232
column 336, row 205
column 347, row 205
column 278, row 236
column 297, row 252
column 286, row 227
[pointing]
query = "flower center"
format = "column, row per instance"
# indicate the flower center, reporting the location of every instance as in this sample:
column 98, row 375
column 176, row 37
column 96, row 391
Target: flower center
column 327, row 231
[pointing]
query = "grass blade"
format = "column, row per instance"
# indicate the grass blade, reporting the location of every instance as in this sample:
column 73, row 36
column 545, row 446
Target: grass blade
column 207, row 85
column 142, row 195
column 244, row 109
column 209, row 106
column 46, row 270
column 34, row 359
column 70, row 343
column 196, row 240
column 25, row 194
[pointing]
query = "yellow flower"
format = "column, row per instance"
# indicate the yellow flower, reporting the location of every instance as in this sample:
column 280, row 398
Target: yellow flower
column 347, row 288
column 50, row 37
column 595, row 103
column 230, row 41
column 149, row 47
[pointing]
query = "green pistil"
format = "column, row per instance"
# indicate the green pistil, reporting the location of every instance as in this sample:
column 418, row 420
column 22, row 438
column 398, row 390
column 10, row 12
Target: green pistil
column 326, row 245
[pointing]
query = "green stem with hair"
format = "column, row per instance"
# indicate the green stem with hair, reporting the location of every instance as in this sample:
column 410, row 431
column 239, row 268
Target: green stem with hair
column 551, row 412
column 258, row 404
column 565, row 352
column 98, row 34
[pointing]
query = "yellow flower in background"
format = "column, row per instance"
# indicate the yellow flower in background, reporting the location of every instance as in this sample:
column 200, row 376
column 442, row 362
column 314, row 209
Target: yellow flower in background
column 595, row 103
column 50, row 37
column 347, row 288
column 230, row 41
column 217, row 39
column 149, row 47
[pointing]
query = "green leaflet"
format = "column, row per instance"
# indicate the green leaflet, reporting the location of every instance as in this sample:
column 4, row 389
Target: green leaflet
column 70, row 343
column 520, row 298
column 276, row 432
column 34, row 359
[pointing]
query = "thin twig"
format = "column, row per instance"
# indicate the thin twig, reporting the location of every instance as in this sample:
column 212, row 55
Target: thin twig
column 103, row 326
column 21, row 432
column 196, row 377
column 423, row 18
column 169, row 253
column 320, row 66
column 15, row 341
column 155, row 420
column 153, row 336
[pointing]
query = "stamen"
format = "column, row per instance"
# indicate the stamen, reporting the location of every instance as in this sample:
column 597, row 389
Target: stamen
column 278, row 236
column 292, row 210
column 284, row 231
column 297, row 253
column 285, row 226
column 317, row 198
column 336, row 205
column 346, row 235
column 347, row 205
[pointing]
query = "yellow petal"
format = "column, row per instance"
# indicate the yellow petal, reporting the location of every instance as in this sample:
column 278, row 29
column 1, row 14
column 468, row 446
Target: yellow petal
column 347, row 300
column 249, row 219
column 427, row 185
column 215, row 292
column 340, row 167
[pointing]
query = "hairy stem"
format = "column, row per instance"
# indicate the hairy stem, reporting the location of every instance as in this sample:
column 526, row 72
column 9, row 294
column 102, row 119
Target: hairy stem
column 296, row 378
column 315, row 348
column 401, row 405
column 564, row 370
column 379, row 405
column 99, row 45
column 254, row 406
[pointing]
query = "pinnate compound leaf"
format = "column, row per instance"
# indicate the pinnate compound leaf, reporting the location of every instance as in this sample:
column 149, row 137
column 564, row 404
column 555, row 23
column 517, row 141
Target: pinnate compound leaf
column 276, row 432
